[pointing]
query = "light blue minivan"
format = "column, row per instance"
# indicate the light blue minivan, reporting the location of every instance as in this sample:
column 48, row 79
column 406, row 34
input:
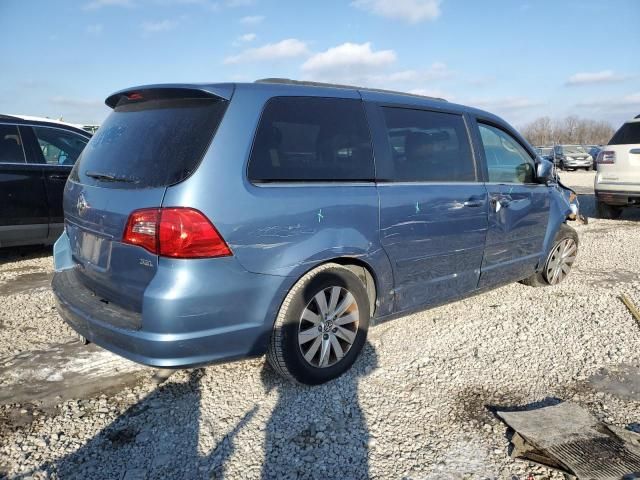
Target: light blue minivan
column 207, row 223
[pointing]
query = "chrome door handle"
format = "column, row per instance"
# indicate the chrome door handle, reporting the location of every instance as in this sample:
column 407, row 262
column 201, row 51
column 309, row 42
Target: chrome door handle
column 499, row 202
column 635, row 151
column 472, row 203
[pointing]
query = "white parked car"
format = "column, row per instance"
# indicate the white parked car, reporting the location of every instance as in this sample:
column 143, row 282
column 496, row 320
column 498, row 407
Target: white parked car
column 617, row 183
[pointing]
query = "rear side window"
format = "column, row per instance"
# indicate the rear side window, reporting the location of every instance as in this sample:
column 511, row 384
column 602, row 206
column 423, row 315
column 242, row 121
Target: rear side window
column 59, row 147
column 152, row 143
column 312, row 139
column 11, row 150
column 627, row 134
column 428, row 146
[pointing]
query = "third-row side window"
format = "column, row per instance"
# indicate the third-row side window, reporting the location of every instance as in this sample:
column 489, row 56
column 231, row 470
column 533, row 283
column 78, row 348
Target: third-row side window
column 312, row 139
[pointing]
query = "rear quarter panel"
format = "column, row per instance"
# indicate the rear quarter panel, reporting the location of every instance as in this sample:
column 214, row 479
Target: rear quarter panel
column 282, row 229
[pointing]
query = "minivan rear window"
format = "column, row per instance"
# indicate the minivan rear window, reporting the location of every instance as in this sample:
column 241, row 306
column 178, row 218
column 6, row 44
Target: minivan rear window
column 153, row 143
column 303, row 139
column 627, row 134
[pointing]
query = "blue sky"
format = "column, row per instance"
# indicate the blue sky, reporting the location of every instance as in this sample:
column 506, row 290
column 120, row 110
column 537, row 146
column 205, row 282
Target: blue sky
column 518, row 58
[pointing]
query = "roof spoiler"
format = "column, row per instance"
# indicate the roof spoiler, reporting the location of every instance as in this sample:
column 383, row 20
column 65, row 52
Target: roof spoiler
column 221, row 90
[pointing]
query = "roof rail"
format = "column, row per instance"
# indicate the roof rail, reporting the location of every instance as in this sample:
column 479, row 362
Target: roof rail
column 289, row 81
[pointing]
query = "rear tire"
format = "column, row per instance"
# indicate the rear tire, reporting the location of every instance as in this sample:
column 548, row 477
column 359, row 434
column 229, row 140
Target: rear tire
column 312, row 340
column 558, row 264
column 608, row 212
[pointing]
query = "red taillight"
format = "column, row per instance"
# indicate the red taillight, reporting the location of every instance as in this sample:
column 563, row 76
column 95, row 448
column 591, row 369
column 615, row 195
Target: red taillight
column 175, row 232
column 606, row 156
column 142, row 229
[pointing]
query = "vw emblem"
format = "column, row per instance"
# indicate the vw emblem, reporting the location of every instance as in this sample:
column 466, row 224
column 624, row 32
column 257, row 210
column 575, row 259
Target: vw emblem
column 81, row 204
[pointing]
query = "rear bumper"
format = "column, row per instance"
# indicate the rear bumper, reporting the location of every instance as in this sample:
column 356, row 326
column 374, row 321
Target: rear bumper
column 192, row 314
column 617, row 197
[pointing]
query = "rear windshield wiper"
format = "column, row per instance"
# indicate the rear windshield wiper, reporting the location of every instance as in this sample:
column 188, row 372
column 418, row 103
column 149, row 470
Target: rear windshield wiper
column 108, row 177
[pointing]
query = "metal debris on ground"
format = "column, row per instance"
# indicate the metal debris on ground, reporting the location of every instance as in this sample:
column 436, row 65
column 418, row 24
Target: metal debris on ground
column 567, row 438
column 632, row 308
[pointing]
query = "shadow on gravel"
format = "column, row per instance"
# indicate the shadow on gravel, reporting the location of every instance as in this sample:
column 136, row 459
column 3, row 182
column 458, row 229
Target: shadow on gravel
column 313, row 432
column 12, row 254
column 318, row 432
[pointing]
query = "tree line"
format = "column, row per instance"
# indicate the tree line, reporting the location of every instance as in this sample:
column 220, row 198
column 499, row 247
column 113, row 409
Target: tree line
column 570, row 130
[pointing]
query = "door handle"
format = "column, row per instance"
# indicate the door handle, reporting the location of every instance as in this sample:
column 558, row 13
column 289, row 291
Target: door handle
column 57, row 177
column 473, row 203
column 635, row 151
column 499, row 202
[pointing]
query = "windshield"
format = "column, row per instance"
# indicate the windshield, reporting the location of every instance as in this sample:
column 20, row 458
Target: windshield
column 573, row 149
column 149, row 144
column 544, row 151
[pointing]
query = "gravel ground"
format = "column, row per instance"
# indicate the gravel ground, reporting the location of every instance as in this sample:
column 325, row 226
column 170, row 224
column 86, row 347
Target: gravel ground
column 414, row 406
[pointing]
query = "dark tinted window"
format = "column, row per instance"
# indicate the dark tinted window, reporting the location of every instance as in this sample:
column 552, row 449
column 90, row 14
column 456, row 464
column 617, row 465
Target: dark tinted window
column 627, row 134
column 11, row 150
column 428, row 146
column 312, row 139
column 507, row 160
column 151, row 143
column 59, row 147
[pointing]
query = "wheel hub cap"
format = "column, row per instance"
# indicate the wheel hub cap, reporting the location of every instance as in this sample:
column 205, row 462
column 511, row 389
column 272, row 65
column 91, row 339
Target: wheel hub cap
column 328, row 327
column 561, row 260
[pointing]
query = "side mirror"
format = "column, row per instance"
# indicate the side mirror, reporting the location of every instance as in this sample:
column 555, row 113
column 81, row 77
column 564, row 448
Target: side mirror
column 544, row 170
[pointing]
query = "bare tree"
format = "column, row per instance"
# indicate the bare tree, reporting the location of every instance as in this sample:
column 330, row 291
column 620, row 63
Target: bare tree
column 570, row 130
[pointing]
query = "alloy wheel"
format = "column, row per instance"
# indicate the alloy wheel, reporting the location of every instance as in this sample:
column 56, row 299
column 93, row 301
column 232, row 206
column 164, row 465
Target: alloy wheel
column 561, row 260
column 328, row 326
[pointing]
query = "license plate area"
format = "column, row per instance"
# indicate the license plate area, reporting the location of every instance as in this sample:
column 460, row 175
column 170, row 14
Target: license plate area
column 89, row 248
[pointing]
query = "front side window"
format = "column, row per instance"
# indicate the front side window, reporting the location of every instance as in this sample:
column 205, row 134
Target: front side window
column 507, row 160
column 428, row 146
column 59, row 147
column 11, row 150
column 312, row 139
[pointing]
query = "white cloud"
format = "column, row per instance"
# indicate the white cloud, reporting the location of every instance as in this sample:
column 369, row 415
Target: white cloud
column 437, row 71
column 432, row 92
column 96, row 4
column 505, row 103
column 206, row 4
column 252, row 19
column 159, row 26
column 631, row 100
column 347, row 62
column 288, row 48
column 75, row 102
column 634, row 98
column 95, row 29
column 616, row 110
column 411, row 11
column 585, row 78
column 247, row 37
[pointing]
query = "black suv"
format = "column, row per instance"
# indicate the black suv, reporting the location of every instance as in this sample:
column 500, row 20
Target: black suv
column 36, row 157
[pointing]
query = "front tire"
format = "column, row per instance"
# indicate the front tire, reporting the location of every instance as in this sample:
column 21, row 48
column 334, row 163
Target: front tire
column 559, row 261
column 321, row 326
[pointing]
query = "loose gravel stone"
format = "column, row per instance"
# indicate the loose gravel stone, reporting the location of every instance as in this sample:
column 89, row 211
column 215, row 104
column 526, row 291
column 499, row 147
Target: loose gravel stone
column 416, row 405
